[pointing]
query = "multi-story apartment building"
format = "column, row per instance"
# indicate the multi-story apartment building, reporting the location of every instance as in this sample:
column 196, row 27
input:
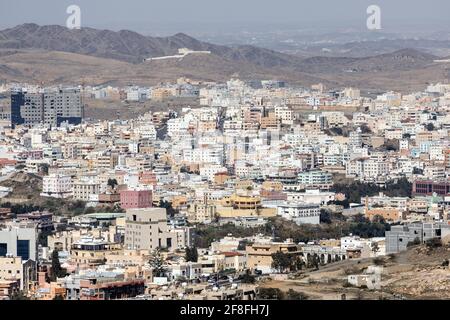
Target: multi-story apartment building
column 315, row 178
column 64, row 105
column 147, row 229
column 300, row 213
column 201, row 213
column 57, row 186
column 19, row 239
column 14, row 268
column 91, row 252
column 399, row 237
column 84, row 188
column 50, row 107
column 428, row 188
column 135, row 199
column 259, row 255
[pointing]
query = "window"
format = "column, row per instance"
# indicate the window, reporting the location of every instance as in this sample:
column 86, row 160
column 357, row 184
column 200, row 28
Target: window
column 3, row 249
column 23, row 249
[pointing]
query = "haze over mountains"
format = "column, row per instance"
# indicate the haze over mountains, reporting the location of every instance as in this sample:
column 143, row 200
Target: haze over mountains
column 52, row 54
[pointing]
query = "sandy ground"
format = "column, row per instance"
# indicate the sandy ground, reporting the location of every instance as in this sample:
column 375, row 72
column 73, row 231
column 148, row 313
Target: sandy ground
column 415, row 274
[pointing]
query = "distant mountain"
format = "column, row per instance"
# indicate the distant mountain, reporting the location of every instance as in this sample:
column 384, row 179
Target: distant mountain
column 127, row 45
column 123, row 45
column 405, row 59
column 358, row 49
column 56, row 54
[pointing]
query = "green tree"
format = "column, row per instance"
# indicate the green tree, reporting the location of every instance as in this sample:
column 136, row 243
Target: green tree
column 271, row 294
column 316, row 261
column 433, row 243
column 401, row 188
column 248, row 278
column 375, row 247
column 168, row 206
column 89, row 210
column 112, row 183
column 391, row 145
column 19, row 295
column 57, row 270
column 191, row 254
column 325, row 216
column 365, row 128
column 43, row 168
column 157, row 263
column 295, row 295
column 281, row 261
column 43, row 236
column 299, row 264
column 415, row 242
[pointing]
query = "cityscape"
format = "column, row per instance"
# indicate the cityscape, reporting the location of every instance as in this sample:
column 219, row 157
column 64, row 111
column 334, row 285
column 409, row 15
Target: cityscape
column 234, row 187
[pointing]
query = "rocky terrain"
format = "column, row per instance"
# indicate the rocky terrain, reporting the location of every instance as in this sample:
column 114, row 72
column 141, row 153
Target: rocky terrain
column 24, row 187
column 55, row 54
column 419, row 273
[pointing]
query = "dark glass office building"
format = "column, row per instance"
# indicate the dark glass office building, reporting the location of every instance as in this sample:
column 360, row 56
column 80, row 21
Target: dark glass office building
column 17, row 101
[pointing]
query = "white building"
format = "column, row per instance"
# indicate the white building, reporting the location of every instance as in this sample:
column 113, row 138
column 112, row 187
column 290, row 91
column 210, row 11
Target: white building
column 85, row 188
column 300, row 213
column 19, row 239
column 209, row 171
column 311, row 197
column 57, row 186
column 316, row 177
column 284, row 114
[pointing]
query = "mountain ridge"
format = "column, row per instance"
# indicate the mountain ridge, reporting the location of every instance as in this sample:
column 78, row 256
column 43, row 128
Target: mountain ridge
column 126, row 45
column 30, row 50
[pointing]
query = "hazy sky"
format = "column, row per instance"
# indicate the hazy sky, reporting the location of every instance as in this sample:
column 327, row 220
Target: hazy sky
column 186, row 15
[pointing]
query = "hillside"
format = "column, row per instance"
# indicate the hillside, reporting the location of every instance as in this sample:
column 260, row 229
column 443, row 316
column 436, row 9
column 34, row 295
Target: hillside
column 55, row 54
column 126, row 45
column 419, row 273
column 25, row 187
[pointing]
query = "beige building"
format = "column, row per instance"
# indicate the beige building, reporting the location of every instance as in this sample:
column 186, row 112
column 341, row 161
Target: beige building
column 128, row 258
column 13, row 269
column 201, row 212
column 259, row 255
column 92, row 252
column 147, row 229
column 64, row 240
column 243, row 206
column 271, row 121
column 235, row 260
column 83, row 189
column 160, row 94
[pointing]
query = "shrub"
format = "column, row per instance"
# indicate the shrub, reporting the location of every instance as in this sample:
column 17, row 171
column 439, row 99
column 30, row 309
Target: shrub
column 433, row 243
column 295, row 295
column 414, row 243
column 347, row 284
column 271, row 294
column 378, row 261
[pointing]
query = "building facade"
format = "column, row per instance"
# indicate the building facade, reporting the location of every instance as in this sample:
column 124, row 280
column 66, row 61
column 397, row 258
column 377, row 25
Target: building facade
column 51, row 107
